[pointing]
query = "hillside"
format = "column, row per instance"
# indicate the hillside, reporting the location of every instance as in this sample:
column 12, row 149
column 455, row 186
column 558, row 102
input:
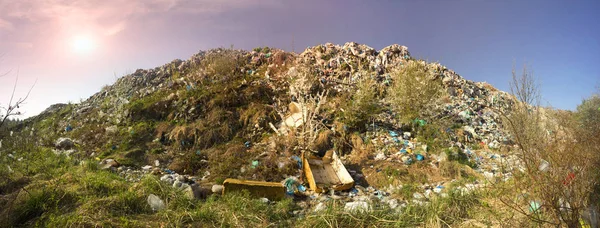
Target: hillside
column 179, row 130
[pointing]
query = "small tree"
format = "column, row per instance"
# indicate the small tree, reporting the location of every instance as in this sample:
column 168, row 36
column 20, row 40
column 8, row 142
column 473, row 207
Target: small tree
column 363, row 103
column 414, row 90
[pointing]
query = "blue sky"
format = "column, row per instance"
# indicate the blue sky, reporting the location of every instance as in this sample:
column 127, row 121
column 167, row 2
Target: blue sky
column 479, row 39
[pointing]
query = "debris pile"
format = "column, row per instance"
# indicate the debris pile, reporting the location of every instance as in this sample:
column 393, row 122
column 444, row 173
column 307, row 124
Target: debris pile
column 186, row 117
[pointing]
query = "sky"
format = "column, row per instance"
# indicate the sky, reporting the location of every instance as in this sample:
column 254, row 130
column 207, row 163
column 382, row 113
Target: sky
column 70, row 49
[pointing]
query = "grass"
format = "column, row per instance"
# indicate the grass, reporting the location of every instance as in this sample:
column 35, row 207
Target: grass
column 67, row 193
column 447, row 211
column 203, row 128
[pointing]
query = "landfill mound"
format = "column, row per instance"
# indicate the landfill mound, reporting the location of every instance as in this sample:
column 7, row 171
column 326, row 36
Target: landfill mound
column 221, row 114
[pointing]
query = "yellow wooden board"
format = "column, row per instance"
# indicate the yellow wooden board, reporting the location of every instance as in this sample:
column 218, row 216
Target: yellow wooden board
column 321, row 175
column 259, row 189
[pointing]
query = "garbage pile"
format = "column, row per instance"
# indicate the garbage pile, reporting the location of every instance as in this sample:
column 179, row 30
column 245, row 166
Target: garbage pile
column 340, row 66
column 477, row 106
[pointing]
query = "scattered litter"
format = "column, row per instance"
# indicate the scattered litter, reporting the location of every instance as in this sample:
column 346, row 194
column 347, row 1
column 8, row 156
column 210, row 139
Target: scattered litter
column 420, row 157
column 292, row 185
column 544, row 166
column 155, row 203
column 380, row 156
column 298, row 160
column 357, row 206
column 320, row 207
column 534, row 206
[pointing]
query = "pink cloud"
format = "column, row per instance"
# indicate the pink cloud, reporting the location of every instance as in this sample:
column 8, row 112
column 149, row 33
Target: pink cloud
column 5, row 25
column 107, row 17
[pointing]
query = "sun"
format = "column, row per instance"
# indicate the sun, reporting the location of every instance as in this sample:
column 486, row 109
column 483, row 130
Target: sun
column 83, row 44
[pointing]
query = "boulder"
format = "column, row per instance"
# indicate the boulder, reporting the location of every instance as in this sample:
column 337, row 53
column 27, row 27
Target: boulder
column 64, row 144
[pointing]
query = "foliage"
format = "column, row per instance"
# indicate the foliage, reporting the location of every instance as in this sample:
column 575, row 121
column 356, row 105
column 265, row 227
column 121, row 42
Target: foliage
column 588, row 115
column 362, row 105
column 414, row 90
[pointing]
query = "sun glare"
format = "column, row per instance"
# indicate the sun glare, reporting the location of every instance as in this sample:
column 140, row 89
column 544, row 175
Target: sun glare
column 83, row 44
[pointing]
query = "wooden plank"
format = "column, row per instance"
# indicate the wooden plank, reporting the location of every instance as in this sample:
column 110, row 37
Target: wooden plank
column 322, row 175
column 259, row 189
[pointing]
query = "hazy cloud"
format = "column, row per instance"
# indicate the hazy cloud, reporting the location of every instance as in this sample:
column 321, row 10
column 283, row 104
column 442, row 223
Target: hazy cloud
column 107, row 17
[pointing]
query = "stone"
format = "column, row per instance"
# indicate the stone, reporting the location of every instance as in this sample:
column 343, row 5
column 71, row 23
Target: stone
column 64, row 144
column 217, row 188
column 111, row 130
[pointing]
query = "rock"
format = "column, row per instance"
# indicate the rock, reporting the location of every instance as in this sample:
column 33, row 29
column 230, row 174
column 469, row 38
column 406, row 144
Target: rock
column 199, row 192
column 155, row 203
column 146, row 168
column 64, row 144
column 217, row 188
column 111, row 130
column 356, row 206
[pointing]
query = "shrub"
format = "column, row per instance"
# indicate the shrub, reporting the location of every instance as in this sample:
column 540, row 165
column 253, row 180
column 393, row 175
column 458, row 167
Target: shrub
column 414, row 90
column 363, row 104
column 549, row 136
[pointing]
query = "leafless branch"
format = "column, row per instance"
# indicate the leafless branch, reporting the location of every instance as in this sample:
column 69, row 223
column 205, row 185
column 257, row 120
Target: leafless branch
column 12, row 109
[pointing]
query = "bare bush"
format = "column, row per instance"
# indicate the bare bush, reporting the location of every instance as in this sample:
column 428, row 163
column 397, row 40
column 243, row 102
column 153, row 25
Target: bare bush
column 12, row 108
column 304, row 88
column 558, row 163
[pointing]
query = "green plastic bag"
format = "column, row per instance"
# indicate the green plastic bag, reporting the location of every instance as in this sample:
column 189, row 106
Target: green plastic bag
column 420, row 122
